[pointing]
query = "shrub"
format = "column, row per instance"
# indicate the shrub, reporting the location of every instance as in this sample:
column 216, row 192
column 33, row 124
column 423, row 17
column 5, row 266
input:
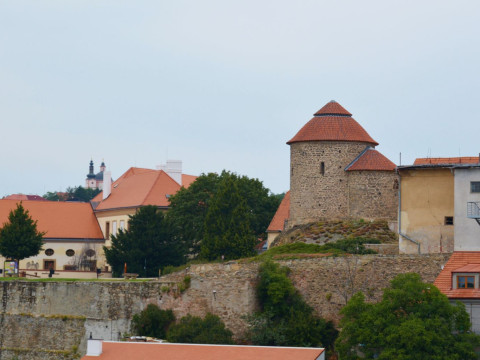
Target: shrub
column 195, row 330
column 152, row 322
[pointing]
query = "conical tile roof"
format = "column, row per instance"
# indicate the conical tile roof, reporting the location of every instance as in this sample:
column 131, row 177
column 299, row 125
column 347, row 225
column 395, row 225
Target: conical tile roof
column 333, row 123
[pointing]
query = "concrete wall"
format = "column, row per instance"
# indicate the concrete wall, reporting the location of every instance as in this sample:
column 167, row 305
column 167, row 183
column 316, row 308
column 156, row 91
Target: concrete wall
column 427, row 197
column 467, row 231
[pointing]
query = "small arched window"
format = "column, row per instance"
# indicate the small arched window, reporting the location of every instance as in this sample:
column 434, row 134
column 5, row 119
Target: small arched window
column 49, row 252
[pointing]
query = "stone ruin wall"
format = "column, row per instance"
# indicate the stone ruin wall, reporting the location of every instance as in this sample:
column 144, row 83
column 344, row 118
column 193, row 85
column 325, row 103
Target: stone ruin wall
column 51, row 320
column 373, row 194
column 315, row 196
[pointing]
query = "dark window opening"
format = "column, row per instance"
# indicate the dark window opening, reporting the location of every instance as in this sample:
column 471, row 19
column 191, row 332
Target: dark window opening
column 448, row 220
column 107, row 230
column 70, row 252
column 475, row 186
column 322, row 168
column 49, row 252
column 395, row 184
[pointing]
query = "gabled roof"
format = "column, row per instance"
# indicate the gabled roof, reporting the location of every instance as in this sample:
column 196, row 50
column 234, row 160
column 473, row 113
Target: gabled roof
column 332, row 123
column 458, row 262
column 140, row 187
column 447, row 160
column 371, row 160
column 25, row 197
column 148, row 351
column 282, row 214
column 60, row 220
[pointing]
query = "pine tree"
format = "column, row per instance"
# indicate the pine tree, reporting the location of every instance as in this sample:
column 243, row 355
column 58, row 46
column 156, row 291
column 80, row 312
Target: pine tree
column 19, row 237
column 227, row 225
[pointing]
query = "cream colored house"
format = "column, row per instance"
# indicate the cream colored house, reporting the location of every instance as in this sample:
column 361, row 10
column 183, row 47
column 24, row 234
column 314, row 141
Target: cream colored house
column 433, row 205
column 137, row 187
column 73, row 241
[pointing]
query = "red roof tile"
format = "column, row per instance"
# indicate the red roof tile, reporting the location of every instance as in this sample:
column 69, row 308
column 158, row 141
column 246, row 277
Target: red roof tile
column 332, row 123
column 144, row 351
column 60, row 220
column 457, row 263
column 447, row 160
column 24, row 197
column 140, row 187
column 371, row 160
column 282, row 214
column 332, row 108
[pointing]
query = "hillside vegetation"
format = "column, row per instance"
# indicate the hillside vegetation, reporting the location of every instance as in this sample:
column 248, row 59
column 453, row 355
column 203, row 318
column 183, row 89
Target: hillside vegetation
column 323, row 232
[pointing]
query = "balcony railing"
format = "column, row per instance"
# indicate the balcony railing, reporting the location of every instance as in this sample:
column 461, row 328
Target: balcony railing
column 473, row 211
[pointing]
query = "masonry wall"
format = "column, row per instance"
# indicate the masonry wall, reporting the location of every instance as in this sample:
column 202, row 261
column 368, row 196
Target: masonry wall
column 61, row 315
column 315, row 196
column 373, row 194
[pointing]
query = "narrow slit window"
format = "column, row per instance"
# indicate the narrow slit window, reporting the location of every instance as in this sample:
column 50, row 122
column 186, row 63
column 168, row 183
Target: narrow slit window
column 322, row 168
column 107, row 230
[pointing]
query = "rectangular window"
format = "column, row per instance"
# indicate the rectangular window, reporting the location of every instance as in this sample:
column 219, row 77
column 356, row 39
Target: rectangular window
column 465, row 282
column 107, row 230
column 448, row 220
column 122, row 224
column 322, row 168
column 475, row 186
column 114, row 228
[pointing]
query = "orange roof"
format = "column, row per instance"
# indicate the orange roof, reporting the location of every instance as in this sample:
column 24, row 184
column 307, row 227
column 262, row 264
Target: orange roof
column 144, row 351
column 371, row 159
column 447, row 160
column 60, row 220
column 24, row 197
column 458, row 262
column 140, row 187
column 332, row 123
column 282, row 214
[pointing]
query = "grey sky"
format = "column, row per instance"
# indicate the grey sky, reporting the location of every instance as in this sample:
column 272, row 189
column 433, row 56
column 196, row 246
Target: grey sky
column 224, row 84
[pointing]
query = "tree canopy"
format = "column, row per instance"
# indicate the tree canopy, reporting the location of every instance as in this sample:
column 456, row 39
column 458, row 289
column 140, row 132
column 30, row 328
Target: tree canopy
column 19, row 237
column 146, row 246
column 195, row 330
column 414, row 320
column 153, row 321
column 285, row 319
column 189, row 207
column 77, row 193
column 227, row 225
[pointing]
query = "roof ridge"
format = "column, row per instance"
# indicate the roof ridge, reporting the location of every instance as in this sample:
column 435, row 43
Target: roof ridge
column 358, row 157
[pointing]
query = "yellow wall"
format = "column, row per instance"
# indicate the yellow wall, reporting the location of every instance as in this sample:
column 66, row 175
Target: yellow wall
column 427, row 197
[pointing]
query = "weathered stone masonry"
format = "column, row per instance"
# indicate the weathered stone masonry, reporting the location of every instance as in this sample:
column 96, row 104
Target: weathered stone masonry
column 60, row 316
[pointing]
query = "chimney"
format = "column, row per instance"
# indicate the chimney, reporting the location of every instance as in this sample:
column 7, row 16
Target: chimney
column 174, row 169
column 94, row 347
column 107, row 184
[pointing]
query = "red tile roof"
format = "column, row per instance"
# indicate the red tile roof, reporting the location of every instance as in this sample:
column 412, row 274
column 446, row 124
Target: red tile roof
column 60, row 220
column 447, row 160
column 149, row 351
column 458, row 262
column 370, row 160
column 332, row 108
column 24, row 197
column 140, row 187
column 332, row 123
column 282, row 214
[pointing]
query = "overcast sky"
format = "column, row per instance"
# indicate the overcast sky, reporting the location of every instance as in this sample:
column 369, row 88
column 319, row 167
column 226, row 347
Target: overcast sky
column 224, row 84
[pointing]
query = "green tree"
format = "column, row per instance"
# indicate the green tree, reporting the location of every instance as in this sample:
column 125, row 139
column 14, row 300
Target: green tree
column 195, row 330
column 227, row 225
column 19, row 237
column 414, row 320
column 146, row 244
column 77, row 193
column 285, row 319
column 153, row 321
column 189, row 207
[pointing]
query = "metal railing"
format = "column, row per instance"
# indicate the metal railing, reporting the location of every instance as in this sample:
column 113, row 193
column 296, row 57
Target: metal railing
column 473, row 210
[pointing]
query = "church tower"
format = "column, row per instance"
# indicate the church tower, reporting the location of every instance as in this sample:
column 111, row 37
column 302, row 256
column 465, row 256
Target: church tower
column 90, row 182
